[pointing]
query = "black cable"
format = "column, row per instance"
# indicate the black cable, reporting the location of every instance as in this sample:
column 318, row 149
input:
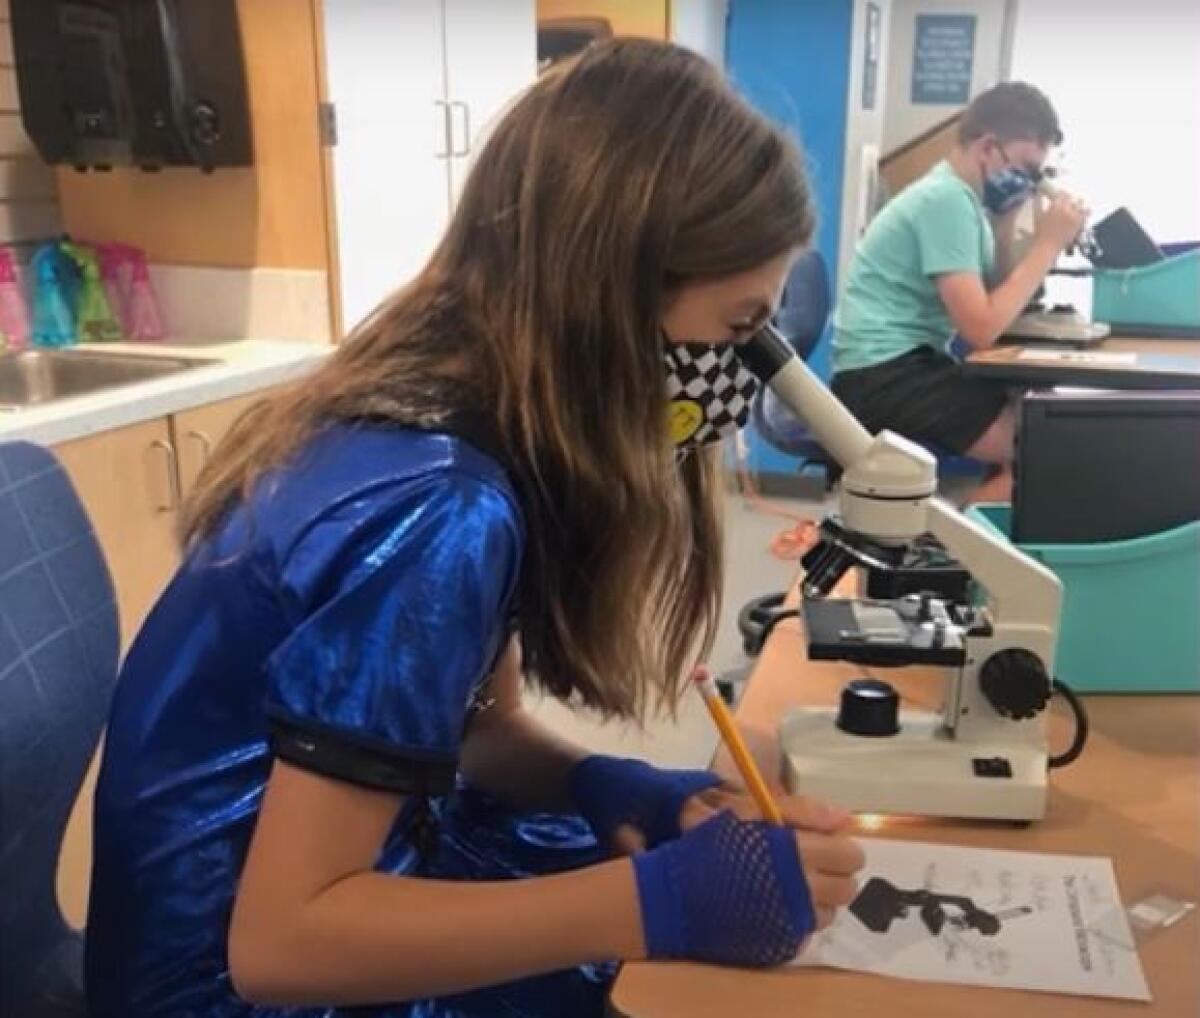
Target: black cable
column 758, row 617
column 753, row 615
column 772, row 621
column 1071, row 753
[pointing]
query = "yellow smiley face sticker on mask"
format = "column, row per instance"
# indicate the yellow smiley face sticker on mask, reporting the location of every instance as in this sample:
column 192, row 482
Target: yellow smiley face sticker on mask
column 684, row 417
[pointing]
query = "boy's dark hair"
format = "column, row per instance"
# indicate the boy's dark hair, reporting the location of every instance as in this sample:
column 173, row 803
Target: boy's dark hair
column 1011, row 110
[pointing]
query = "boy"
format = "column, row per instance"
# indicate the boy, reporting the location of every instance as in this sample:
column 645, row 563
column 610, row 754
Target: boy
column 937, row 261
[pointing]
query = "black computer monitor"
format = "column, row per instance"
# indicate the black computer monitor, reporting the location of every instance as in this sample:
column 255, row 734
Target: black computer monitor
column 1123, row 243
column 1105, row 466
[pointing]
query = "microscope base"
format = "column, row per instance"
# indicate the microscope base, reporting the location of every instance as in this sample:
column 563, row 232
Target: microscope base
column 920, row 771
column 1060, row 328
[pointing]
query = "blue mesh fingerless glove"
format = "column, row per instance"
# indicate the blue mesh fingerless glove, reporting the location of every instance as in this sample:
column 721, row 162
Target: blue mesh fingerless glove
column 610, row 791
column 728, row 891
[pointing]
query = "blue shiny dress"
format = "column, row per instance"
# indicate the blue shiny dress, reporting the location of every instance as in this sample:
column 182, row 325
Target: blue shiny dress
column 343, row 619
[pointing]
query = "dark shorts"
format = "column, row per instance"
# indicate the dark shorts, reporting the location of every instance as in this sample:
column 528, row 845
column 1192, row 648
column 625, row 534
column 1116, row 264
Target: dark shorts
column 923, row 395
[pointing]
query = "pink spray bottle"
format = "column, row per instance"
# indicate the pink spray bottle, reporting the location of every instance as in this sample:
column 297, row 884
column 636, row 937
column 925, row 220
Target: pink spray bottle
column 116, row 289
column 14, row 315
column 145, row 321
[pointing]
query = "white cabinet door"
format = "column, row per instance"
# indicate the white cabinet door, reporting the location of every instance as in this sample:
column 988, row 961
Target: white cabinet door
column 386, row 73
column 491, row 56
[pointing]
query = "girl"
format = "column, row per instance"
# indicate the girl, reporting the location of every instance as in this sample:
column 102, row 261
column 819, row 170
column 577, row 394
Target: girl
column 481, row 471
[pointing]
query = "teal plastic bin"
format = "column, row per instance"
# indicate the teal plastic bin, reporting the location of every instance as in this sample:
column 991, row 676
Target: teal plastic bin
column 1165, row 293
column 1131, row 609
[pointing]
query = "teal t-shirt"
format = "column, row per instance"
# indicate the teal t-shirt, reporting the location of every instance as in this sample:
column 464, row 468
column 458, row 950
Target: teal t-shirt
column 891, row 304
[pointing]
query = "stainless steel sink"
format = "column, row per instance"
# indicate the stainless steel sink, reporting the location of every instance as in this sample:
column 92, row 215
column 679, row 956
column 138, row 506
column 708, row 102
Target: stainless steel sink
column 34, row 377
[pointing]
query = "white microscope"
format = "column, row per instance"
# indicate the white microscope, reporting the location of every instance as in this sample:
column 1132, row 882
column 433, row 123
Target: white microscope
column 984, row 754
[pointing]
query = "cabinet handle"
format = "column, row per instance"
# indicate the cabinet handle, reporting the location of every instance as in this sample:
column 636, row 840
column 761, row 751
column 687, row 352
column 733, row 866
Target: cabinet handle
column 174, row 484
column 466, row 128
column 448, row 150
column 205, row 443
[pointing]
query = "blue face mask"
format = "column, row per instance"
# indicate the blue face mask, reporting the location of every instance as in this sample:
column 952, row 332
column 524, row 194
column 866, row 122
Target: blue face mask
column 1005, row 189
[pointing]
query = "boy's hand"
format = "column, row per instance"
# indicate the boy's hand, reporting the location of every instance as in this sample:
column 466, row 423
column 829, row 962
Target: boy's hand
column 1061, row 222
column 1006, row 222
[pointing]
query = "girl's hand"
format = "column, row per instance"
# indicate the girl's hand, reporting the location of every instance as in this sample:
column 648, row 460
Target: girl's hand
column 609, row 790
column 831, row 858
column 799, row 812
column 742, row 892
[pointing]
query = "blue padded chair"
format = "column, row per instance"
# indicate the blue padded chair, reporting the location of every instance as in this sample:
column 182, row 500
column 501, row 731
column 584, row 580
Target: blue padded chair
column 803, row 316
column 58, row 664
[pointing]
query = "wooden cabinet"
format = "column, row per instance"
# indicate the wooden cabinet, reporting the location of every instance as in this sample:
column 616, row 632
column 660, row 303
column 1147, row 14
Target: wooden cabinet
column 648, row 18
column 197, row 432
column 132, row 481
column 128, row 480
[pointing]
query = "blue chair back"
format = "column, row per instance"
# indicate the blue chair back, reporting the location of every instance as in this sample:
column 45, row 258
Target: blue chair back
column 804, row 310
column 59, row 645
column 803, row 315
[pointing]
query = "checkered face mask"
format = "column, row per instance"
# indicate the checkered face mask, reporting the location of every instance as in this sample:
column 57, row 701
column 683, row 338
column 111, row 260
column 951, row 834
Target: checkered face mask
column 709, row 392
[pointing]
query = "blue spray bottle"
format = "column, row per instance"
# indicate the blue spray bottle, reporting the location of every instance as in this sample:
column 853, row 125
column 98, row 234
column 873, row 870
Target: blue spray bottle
column 53, row 297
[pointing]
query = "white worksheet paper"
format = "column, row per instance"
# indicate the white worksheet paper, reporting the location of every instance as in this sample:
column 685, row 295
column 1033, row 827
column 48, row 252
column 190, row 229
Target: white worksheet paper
column 1100, row 358
column 943, row 913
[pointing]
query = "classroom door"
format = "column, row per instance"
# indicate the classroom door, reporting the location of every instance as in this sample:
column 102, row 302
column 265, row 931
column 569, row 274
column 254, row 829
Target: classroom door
column 491, row 57
column 385, row 66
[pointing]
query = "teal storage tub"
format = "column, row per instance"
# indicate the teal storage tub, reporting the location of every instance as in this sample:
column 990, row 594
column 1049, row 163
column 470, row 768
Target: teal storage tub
column 1131, row 609
column 1165, row 293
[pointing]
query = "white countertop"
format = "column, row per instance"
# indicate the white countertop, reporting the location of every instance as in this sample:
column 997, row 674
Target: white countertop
column 239, row 368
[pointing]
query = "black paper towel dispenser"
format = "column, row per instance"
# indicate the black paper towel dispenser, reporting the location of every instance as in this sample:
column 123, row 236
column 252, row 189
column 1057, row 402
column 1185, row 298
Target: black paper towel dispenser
column 151, row 83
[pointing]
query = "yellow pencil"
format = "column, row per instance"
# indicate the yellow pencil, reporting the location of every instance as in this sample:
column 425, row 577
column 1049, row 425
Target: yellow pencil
column 736, row 746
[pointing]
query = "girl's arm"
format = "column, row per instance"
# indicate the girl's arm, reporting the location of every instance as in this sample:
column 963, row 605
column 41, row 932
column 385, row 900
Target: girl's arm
column 979, row 316
column 511, row 754
column 314, row 924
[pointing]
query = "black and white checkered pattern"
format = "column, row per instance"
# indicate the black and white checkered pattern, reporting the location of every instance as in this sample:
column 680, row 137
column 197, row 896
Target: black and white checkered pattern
column 712, row 376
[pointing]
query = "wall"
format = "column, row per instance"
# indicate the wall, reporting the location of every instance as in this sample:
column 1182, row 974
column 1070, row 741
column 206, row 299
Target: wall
column 627, row 17
column 864, row 132
column 791, row 59
column 1129, row 102
column 904, row 120
column 700, row 26
column 904, row 165
column 28, row 195
column 270, row 214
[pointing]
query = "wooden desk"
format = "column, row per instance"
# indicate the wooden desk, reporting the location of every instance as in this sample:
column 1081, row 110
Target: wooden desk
column 1133, row 795
column 1159, row 364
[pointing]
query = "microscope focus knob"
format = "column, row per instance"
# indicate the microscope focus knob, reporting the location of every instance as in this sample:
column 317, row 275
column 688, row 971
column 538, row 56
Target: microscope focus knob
column 1015, row 683
column 870, row 707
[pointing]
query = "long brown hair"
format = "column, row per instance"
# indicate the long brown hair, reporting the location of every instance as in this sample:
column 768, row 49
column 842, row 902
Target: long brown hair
column 615, row 178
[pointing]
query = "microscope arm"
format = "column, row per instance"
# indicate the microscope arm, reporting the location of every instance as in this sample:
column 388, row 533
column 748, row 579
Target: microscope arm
column 1024, row 593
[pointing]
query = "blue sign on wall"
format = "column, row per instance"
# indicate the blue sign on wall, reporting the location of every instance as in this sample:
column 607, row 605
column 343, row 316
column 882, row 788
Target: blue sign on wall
column 943, row 52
